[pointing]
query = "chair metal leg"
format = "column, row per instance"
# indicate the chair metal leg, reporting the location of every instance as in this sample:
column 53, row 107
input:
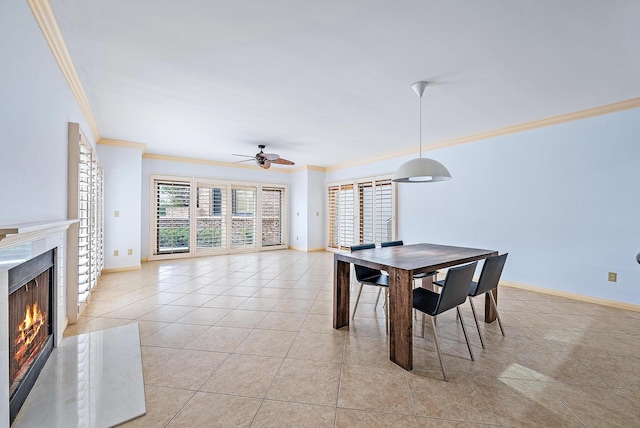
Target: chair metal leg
column 357, row 300
column 464, row 330
column 495, row 306
column 435, row 339
column 475, row 317
column 423, row 316
column 378, row 297
column 386, row 309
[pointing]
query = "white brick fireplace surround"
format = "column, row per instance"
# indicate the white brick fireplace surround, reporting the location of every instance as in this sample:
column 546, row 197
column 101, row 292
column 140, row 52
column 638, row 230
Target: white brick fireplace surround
column 19, row 243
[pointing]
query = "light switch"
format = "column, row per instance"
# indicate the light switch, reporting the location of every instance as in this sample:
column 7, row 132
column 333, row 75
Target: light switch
column 116, row 213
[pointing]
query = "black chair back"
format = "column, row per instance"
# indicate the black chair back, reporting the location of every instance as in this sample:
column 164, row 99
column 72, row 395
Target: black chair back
column 363, row 273
column 490, row 275
column 391, row 244
column 456, row 287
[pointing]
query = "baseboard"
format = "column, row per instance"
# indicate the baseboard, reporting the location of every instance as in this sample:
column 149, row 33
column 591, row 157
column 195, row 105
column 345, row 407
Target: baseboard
column 574, row 296
column 310, row 250
column 121, row 269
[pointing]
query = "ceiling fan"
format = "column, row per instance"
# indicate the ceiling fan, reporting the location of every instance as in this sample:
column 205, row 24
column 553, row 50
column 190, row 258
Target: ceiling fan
column 264, row 160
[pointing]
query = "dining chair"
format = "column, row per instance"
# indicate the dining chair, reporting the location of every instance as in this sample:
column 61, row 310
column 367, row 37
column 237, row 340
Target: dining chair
column 375, row 277
column 488, row 281
column 453, row 294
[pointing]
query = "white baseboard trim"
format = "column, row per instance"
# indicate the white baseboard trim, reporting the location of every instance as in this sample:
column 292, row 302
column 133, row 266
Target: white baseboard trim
column 574, row 296
column 121, row 269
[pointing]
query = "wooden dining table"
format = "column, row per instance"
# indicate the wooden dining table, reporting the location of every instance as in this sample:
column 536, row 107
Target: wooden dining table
column 401, row 262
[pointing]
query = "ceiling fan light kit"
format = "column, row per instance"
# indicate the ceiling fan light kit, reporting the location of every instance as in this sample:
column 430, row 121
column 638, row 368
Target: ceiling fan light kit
column 421, row 170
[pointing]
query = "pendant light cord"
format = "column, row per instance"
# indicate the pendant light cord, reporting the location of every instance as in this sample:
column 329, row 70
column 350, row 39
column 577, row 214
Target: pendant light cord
column 420, row 126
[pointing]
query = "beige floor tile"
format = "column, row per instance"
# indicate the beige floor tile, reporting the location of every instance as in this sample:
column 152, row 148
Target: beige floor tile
column 132, row 311
column 174, row 336
column 162, row 405
column 321, row 324
column 213, row 289
column 524, row 403
column 258, row 304
column 350, row 418
column 94, row 324
column 162, row 298
column 149, row 328
column 216, row 410
column 239, row 290
column 225, row 302
column 192, row 300
column 317, row 347
column 270, row 292
column 269, row 343
column 186, row 369
column 242, row 319
column 246, row 375
column 293, row 305
column 167, row 313
column 374, row 388
column 219, row 339
column 282, row 321
column 597, row 406
column 309, row 382
column 459, row 398
column 204, row 316
column 446, row 423
column 367, row 351
column 280, row 414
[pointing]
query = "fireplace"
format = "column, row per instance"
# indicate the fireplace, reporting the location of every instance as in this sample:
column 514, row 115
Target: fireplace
column 30, row 305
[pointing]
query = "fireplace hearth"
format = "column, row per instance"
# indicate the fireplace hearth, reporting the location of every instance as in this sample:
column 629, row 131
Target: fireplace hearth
column 31, row 286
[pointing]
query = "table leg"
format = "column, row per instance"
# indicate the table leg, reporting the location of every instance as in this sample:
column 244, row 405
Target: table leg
column 341, row 277
column 489, row 311
column 400, row 320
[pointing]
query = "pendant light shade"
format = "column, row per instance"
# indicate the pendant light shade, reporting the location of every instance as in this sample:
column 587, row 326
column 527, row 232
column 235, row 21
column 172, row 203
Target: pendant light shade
column 421, row 170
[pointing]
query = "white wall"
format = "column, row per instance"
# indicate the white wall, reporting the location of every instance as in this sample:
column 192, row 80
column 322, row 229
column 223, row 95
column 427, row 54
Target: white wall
column 564, row 201
column 187, row 169
column 35, row 107
column 122, row 193
column 316, row 211
column 298, row 208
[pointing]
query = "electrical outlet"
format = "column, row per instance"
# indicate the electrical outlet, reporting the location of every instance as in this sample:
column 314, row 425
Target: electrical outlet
column 116, row 253
column 130, row 251
column 613, row 277
column 116, row 213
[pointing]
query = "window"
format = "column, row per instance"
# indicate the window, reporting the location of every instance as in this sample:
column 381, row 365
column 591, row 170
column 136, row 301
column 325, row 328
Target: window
column 211, row 214
column 369, row 212
column 172, row 221
column 86, row 202
column 272, row 215
column 224, row 217
column 243, row 220
column 341, row 211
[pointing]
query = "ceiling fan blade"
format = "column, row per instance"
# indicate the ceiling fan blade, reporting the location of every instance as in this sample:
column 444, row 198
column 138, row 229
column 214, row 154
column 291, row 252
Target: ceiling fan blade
column 244, row 160
column 270, row 156
column 246, row 156
column 282, row 161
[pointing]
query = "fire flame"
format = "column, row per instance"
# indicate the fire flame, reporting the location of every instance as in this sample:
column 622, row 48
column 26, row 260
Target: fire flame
column 28, row 330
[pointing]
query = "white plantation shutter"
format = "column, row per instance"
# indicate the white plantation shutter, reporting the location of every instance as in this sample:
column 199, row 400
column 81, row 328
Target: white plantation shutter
column 172, row 216
column 341, row 216
column 243, row 217
column 383, row 209
column 86, row 202
column 272, row 216
column 211, row 217
column 372, row 207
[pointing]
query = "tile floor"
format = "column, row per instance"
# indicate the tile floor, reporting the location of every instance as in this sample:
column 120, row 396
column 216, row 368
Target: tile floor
column 247, row 340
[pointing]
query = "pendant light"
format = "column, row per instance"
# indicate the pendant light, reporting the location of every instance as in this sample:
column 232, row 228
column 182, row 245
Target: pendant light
column 421, row 170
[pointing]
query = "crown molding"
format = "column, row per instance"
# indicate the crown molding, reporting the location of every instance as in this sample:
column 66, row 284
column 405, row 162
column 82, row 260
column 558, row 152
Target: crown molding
column 527, row 126
column 119, row 143
column 43, row 13
column 308, row 168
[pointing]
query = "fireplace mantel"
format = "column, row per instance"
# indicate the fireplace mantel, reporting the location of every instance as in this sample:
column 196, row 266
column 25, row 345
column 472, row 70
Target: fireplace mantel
column 24, row 232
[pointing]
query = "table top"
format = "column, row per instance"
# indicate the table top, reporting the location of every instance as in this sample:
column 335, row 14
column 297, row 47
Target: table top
column 416, row 257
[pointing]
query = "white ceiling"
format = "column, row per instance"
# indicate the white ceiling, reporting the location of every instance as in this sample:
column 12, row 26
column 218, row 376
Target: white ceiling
column 329, row 82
